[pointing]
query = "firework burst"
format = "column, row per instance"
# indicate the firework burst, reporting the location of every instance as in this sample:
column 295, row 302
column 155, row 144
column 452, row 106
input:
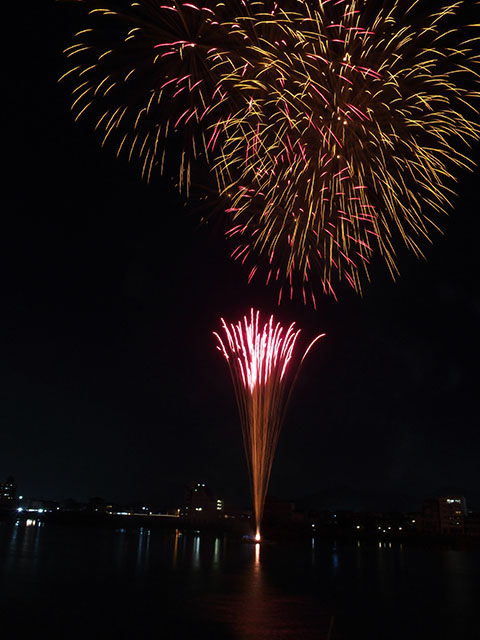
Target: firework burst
column 260, row 359
column 334, row 132
column 146, row 71
column 348, row 138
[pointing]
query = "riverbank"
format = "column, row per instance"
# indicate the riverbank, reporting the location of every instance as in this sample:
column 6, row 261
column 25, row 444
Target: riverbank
column 235, row 528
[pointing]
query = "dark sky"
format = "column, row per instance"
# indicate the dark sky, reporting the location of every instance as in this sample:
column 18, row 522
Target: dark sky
column 110, row 381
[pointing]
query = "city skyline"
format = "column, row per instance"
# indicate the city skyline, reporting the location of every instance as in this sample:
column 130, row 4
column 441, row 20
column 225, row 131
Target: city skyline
column 213, row 503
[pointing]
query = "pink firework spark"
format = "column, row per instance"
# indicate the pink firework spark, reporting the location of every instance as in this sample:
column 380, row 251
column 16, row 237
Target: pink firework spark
column 261, row 359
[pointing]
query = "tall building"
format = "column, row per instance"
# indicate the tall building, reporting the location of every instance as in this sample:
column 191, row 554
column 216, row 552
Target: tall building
column 452, row 512
column 443, row 516
column 8, row 492
column 201, row 505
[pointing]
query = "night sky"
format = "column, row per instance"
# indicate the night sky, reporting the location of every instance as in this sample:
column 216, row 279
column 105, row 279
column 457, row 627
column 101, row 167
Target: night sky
column 111, row 384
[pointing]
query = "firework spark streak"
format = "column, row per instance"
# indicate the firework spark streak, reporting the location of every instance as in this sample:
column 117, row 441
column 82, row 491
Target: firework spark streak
column 333, row 128
column 261, row 359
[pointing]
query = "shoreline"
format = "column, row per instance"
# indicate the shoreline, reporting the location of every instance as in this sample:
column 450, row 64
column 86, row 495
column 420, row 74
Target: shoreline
column 235, row 529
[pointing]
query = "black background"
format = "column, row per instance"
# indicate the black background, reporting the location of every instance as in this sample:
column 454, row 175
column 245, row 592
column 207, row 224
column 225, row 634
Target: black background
column 111, row 384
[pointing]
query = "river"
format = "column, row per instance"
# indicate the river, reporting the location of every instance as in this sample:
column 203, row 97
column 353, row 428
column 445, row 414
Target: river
column 60, row 581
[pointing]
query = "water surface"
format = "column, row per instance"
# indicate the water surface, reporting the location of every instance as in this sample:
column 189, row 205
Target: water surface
column 91, row 582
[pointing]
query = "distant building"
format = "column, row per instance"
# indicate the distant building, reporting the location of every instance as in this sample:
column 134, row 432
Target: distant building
column 8, row 492
column 452, row 512
column 429, row 520
column 472, row 523
column 200, row 504
column 443, row 516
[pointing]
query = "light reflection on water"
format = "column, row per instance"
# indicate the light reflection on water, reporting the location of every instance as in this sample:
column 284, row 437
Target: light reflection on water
column 143, row 549
column 214, row 586
column 257, row 609
column 23, row 546
column 335, row 558
column 175, row 548
column 196, row 552
column 216, row 553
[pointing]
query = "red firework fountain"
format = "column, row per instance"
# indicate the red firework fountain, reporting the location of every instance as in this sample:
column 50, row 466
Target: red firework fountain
column 260, row 362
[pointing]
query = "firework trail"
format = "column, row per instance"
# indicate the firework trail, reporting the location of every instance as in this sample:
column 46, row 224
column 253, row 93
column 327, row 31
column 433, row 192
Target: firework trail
column 146, row 70
column 260, row 359
column 348, row 137
column 334, row 129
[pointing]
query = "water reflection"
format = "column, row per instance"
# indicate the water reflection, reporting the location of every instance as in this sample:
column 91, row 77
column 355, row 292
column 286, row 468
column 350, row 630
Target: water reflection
column 222, row 589
column 216, row 552
column 120, row 549
column 23, row 547
column 192, row 551
column 458, row 583
column 257, row 556
column 175, row 548
column 254, row 609
column 335, row 558
column 13, row 539
column 143, row 550
column 196, row 552
column 250, row 614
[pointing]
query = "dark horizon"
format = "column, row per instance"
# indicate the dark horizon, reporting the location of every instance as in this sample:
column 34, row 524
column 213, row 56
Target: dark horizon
column 327, row 498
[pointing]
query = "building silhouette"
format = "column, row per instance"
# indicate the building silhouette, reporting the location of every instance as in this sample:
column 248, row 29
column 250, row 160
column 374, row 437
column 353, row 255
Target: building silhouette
column 443, row 516
column 8, row 492
column 452, row 511
column 201, row 505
